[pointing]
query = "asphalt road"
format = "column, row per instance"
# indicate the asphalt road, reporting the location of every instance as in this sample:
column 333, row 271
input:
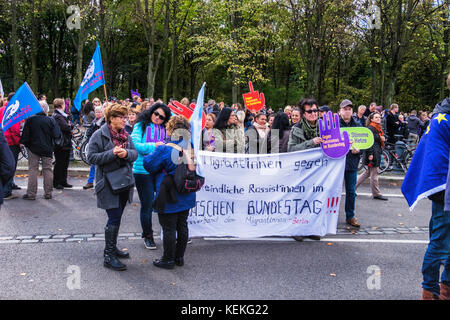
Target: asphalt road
column 381, row 262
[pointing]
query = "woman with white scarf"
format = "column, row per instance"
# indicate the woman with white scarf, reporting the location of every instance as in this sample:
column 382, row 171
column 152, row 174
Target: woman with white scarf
column 256, row 135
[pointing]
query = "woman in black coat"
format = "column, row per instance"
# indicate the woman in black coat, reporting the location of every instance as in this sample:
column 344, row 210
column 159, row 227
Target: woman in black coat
column 372, row 157
column 62, row 153
column 112, row 151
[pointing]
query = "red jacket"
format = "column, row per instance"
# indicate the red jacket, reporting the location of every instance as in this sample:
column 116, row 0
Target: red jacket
column 12, row 135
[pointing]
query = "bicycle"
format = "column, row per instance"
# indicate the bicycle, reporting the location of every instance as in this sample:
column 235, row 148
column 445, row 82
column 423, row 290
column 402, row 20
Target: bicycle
column 77, row 140
column 389, row 156
column 384, row 163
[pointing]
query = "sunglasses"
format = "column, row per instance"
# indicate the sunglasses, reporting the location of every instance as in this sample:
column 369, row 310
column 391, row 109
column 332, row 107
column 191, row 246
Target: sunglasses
column 159, row 116
column 311, row 111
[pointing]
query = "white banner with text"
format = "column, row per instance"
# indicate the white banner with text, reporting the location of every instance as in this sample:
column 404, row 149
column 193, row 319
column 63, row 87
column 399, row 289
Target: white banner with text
column 286, row 194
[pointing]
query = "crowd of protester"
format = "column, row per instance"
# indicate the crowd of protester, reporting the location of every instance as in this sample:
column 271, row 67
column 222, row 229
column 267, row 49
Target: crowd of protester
column 129, row 146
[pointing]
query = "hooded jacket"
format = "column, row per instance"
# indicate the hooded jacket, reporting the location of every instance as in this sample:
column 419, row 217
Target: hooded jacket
column 443, row 106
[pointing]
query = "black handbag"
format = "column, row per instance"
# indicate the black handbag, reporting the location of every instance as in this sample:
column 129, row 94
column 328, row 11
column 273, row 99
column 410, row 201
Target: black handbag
column 120, row 180
column 186, row 181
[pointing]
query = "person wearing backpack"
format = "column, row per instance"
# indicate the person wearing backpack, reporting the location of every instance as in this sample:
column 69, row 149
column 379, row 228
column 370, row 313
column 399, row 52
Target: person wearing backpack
column 7, row 164
column 162, row 163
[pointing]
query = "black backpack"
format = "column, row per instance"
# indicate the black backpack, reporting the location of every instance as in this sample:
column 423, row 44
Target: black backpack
column 186, row 181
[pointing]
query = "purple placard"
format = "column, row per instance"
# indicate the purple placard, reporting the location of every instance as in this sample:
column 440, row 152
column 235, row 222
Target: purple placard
column 135, row 93
column 156, row 133
column 333, row 145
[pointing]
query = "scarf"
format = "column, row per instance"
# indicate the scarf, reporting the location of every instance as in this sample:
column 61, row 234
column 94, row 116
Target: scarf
column 120, row 139
column 310, row 132
column 377, row 126
column 262, row 129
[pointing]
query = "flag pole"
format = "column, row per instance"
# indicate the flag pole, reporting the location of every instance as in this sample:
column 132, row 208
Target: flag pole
column 106, row 96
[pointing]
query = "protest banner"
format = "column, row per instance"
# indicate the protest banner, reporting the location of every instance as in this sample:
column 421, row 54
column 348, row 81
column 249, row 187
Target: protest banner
column 335, row 145
column 253, row 101
column 180, row 109
column 287, row 194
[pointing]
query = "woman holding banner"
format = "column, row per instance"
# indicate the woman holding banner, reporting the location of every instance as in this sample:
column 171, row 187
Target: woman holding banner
column 232, row 139
column 148, row 133
column 282, row 128
column 208, row 138
column 112, row 151
column 305, row 134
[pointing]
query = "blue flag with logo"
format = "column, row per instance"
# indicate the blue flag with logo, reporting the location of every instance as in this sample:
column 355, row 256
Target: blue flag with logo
column 93, row 78
column 196, row 123
column 21, row 106
column 427, row 173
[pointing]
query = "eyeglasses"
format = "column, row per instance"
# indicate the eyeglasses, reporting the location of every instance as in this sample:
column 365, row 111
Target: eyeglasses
column 311, row 111
column 123, row 118
column 159, row 116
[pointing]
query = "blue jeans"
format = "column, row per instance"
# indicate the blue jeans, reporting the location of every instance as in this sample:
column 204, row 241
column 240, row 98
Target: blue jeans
column 350, row 178
column 145, row 185
column 438, row 250
column 91, row 174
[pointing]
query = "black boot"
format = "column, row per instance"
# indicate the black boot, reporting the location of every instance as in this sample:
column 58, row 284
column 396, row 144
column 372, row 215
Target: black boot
column 111, row 260
column 163, row 263
column 119, row 253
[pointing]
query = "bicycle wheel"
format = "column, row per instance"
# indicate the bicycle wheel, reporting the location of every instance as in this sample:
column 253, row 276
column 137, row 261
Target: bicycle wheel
column 83, row 152
column 385, row 162
column 76, row 150
column 407, row 159
column 361, row 164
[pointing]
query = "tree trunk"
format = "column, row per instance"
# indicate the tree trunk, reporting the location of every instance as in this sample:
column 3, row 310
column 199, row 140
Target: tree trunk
column 14, row 45
column 79, row 65
column 34, row 49
column 150, row 76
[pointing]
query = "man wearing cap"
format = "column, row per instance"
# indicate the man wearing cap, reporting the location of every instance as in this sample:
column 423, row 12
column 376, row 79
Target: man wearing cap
column 323, row 110
column 351, row 164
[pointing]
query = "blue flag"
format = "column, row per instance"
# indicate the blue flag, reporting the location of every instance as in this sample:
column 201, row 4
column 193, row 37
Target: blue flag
column 196, row 123
column 427, row 173
column 21, row 106
column 93, row 78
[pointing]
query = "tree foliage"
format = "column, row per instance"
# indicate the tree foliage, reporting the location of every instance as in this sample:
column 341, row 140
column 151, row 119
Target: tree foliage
column 290, row 49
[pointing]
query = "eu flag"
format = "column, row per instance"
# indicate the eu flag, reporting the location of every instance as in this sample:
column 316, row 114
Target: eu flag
column 427, row 173
column 21, row 106
column 93, row 78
